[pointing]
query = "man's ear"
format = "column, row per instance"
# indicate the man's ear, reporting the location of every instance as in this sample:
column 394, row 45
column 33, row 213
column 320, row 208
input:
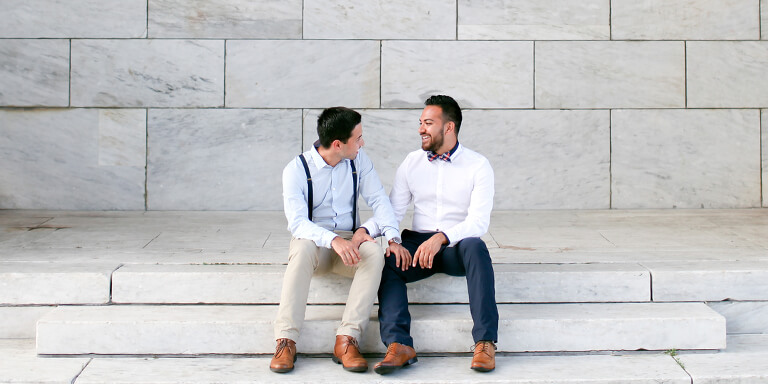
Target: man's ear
column 450, row 127
column 336, row 145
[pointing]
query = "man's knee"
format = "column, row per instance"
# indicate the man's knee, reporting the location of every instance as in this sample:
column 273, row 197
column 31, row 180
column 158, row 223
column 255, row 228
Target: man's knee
column 473, row 244
column 303, row 251
column 372, row 253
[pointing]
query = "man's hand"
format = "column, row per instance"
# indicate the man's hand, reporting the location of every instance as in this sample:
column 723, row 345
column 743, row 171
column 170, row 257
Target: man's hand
column 402, row 256
column 361, row 236
column 426, row 252
column 346, row 250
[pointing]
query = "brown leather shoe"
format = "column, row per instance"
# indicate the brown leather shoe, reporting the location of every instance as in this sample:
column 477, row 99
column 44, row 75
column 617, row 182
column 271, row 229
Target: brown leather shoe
column 347, row 353
column 485, row 356
column 398, row 356
column 285, row 356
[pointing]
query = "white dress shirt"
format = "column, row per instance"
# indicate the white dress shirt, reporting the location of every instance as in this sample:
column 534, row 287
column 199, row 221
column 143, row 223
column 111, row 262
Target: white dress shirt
column 453, row 197
column 332, row 198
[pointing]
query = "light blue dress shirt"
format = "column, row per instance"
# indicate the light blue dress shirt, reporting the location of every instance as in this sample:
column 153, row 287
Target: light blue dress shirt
column 332, row 198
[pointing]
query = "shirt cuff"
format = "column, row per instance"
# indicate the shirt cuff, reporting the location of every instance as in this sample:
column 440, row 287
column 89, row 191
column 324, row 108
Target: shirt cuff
column 327, row 239
column 391, row 234
column 450, row 236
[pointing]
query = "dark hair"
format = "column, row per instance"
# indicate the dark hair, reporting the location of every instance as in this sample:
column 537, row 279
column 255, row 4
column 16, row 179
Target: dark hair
column 451, row 109
column 336, row 123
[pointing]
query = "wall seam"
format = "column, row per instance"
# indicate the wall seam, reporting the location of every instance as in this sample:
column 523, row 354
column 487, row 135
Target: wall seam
column 610, row 159
column 685, row 71
column 146, row 159
column 69, row 95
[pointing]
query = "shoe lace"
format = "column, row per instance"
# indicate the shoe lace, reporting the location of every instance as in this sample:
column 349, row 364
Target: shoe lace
column 352, row 341
column 282, row 344
column 482, row 346
column 391, row 349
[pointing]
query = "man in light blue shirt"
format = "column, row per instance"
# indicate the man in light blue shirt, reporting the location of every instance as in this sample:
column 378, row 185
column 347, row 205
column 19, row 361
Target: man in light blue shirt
column 320, row 190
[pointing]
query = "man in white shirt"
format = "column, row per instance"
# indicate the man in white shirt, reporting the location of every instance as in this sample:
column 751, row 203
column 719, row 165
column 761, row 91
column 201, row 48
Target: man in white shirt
column 320, row 190
column 452, row 190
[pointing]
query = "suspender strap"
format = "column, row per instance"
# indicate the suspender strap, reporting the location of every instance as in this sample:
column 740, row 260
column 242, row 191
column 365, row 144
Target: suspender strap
column 310, row 204
column 309, row 186
column 354, row 196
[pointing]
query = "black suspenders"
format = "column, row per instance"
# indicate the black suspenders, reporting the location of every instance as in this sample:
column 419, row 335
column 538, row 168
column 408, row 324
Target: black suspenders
column 310, row 204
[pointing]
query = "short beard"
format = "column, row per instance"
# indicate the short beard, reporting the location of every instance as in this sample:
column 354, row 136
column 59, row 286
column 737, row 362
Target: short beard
column 436, row 143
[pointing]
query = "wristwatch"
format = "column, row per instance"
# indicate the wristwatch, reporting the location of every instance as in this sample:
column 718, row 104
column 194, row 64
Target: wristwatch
column 395, row 240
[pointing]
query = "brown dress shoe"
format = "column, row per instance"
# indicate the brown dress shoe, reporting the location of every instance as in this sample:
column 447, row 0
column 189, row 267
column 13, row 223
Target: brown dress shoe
column 347, row 353
column 485, row 356
column 398, row 356
column 285, row 356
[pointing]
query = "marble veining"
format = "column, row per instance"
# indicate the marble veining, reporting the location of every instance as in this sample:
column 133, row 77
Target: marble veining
column 219, row 159
column 685, row 20
column 302, row 74
column 534, row 20
column 148, row 73
column 34, row 72
column 610, row 74
column 51, row 161
column 225, row 19
column 727, row 74
column 487, row 74
column 380, row 19
column 73, row 19
column 685, row 158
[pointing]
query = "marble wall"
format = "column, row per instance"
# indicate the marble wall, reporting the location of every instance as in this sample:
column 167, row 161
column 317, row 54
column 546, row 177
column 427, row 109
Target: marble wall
column 178, row 105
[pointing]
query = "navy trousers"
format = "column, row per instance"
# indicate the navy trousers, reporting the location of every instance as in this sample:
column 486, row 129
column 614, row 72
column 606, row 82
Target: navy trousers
column 469, row 257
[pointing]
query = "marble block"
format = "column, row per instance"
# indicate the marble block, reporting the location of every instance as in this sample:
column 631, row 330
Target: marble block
column 763, row 18
column 54, row 283
column 544, row 159
column 743, row 316
column 727, row 367
column 685, row 158
column 440, row 328
column 709, row 281
column 261, row 284
column 73, row 19
column 685, row 20
column 764, row 152
column 20, row 364
column 219, row 159
column 610, row 74
column 225, row 19
column 302, row 74
column 20, row 322
column 478, row 74
column 540, row 20
column 34, row 73
column 727, row 74
column 87, row 159
column 148, row 73
column 636, row 369
column 380, row 19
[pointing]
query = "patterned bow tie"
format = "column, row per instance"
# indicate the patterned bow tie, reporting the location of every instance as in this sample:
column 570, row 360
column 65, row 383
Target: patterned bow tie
column 431, row 156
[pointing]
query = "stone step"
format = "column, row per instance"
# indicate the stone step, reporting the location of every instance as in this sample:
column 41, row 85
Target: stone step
column 228, row 329
column 709, row 280
column 744, row 361
column 257, row 284
column 55, row 283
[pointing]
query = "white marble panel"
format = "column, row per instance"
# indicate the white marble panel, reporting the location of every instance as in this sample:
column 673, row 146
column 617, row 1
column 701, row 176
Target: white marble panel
column 727, row 74
column 302, row 74
column 478, row 74
column 685, row 20
column 610, row 74
column 20, row 322
column 122, row 137
column 709, row 281
column 20, row 364
column 743, row 316
column 727, row 367
column 219, row 159
column 55, row 283
column 380, row 19
column 440, row 328
column 73, row 19
column 225, row 19
column 534, row 20
column 636, row 369
column 764, row 151
column 764, row 18
column 685, row 158
column 51, row 161
column 148, row 73
column 544, row 159
column 34, row 72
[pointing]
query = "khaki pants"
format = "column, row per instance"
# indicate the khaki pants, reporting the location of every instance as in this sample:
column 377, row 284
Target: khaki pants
column 305, row 259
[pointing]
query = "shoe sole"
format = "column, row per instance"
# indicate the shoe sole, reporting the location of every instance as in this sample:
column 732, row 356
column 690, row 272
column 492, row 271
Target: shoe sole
column 385, row 369
column 280, row 370
column 482, row 369
column 350, row 369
